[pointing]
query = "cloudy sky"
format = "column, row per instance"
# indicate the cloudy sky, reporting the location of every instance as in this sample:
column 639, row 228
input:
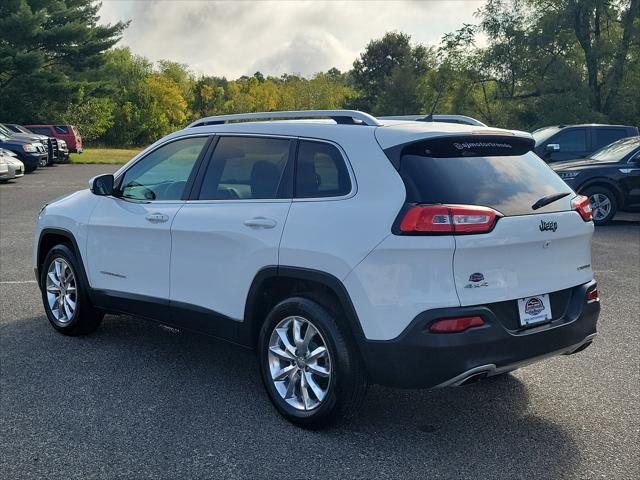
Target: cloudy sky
column 234, row 38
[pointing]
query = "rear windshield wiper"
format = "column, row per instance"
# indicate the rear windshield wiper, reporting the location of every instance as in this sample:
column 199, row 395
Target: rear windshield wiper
column 544, row 201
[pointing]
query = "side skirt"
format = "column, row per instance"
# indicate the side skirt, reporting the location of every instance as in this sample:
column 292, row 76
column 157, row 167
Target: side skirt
column 180, row 315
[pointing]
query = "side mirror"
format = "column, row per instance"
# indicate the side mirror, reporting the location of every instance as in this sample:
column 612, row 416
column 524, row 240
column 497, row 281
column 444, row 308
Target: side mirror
column 553, row 147
column 102, row 185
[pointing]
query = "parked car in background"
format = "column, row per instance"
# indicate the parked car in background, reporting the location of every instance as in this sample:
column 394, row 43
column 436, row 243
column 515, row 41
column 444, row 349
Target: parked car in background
column 10, row 166
column 31, row 153
column 568, row 142
column 459, row 119
column 610, row 178
column 58, row 150
column 50, row 144
column 68, row 133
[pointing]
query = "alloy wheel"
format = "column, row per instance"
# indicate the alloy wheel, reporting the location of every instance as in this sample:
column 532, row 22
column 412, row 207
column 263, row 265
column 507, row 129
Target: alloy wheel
column 61, row 290
column 299, row 363
column 600, row 205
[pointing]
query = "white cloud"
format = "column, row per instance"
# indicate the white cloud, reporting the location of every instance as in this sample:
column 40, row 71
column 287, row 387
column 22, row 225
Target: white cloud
column 234, row 38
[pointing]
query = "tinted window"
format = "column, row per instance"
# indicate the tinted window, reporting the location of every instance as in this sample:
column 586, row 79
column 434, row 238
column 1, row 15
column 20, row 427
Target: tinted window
column 61, row 129
column 617, row 151
column 509, row 184
column 246, row 168
column 605, row 136
column 41, row 130
column 321, row 171
column 163, row 174
column 571, row 140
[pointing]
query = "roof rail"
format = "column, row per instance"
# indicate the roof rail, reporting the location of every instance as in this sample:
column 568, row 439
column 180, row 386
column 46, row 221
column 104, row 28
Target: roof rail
column 348, row 117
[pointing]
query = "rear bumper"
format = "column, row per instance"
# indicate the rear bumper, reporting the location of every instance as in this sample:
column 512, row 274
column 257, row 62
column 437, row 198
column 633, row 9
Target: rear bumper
column 418, row 358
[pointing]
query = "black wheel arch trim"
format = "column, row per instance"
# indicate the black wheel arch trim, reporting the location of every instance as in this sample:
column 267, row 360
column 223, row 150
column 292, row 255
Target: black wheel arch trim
column 61, row 232
column 300, row 273
column 606, row 183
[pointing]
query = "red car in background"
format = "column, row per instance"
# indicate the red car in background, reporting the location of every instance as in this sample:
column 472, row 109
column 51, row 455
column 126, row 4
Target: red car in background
column 68, row 133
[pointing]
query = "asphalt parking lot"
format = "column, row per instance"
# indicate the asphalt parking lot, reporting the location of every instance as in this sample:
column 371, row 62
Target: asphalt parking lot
column 136, row 400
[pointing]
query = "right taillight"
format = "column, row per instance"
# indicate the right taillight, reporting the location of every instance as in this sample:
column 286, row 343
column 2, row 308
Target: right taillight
column 593, row 295
column 583, row 207
column 448, row 219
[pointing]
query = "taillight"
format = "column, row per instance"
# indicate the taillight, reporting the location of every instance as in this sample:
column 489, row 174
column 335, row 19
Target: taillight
column 455, row 325
column 593, row 296
column 448, row 219
column 583, row 207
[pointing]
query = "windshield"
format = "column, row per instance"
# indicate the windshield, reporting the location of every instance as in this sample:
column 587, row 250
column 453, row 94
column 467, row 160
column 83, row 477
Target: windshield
column 543, row 134
column 5, row 130
column 3, row 136
column 617, row 150
column 21, row 129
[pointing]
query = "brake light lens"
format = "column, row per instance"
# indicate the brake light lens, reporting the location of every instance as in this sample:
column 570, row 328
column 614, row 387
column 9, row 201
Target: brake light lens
column 593, row 296
column 448, row 219
column 583, row 207
column 455, row 325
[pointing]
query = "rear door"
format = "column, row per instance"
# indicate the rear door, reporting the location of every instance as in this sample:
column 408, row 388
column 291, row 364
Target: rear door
column 529, row 251
column 230, row 229
column 603, row 136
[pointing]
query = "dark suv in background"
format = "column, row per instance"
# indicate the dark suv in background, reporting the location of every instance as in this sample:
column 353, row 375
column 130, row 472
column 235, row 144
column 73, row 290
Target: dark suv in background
column 568, row 142
column 610, row 178
column 31, row 153
column 50, row 144
column 58, row 150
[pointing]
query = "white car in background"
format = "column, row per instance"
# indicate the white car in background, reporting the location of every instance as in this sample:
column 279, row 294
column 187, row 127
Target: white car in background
column 10, row 166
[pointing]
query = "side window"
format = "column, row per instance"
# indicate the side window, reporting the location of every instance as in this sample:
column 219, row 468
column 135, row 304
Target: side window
column 61, row 129
column 574, row 140
column 41, row 130
column 246, row 168
column 163, row 174
column 605, row 136
column 320, row 171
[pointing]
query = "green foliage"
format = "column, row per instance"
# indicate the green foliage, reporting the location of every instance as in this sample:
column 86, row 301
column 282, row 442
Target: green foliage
column 93, row 117
column 541, row 62
column 44, row 46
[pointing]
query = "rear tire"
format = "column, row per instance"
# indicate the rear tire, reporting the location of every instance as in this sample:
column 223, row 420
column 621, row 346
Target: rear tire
column 310, row 389
column 64, row 294
column 603, row 204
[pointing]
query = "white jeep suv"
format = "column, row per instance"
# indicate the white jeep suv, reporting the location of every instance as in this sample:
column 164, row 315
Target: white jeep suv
column 346, row 250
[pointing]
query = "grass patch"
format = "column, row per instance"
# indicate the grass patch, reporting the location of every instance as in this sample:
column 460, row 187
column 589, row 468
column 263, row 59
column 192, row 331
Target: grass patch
column 105, row 155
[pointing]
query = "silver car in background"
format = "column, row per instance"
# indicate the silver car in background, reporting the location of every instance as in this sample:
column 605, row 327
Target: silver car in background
column 10, row 166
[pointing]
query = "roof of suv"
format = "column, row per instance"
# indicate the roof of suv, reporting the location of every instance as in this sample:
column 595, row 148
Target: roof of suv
column 387, row 132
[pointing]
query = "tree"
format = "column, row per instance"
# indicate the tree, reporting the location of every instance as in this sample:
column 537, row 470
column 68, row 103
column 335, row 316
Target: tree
column 92, row 117
column 388, row 63
column 44, row 45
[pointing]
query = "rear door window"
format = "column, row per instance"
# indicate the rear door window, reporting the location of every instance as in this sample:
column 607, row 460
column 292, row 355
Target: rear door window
column 63, row 129
column 509, row 184
column 247, row 168
column 320, row 171
column 605, row 136
column 41, row 130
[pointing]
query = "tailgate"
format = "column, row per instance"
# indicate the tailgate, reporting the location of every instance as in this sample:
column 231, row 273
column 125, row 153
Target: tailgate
column 523, row 256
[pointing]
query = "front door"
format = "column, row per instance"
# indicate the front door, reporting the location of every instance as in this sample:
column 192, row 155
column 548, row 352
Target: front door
column 129, row 236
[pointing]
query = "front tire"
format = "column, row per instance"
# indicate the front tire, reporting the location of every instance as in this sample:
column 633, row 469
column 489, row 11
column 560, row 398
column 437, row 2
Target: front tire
column 309, row 364
column 603, row 204
column 64, row 294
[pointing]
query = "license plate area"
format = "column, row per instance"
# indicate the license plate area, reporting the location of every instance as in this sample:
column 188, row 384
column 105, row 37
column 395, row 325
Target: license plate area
column 534, row 310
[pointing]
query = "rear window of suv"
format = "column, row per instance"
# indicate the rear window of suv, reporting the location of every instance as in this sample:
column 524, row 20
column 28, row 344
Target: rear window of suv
column 508, row 184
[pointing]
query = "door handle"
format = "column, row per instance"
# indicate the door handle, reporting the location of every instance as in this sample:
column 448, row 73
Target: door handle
column 260, row 222
column 157, row 217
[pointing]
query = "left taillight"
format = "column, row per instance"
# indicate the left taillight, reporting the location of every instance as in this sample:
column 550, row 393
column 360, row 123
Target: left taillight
column 583, row 207
column 448, row 219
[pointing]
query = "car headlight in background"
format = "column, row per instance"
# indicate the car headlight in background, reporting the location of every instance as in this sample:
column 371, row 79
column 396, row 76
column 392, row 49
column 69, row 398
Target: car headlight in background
column 62, row 143
column 568, row 175
column 29, row 147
